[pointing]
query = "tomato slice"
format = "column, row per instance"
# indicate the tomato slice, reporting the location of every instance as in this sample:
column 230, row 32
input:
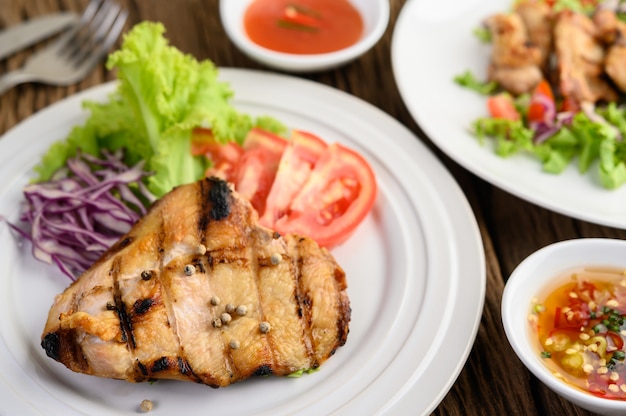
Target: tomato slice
column 258, row 166
column 542, row 107
column 225, row 157
column 336, row 197
column 294, row 169
column 502, row 106
column 259, row 138
column 299, row 186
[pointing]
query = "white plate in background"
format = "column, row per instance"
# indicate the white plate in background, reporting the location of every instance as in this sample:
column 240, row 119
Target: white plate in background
column 432, row 43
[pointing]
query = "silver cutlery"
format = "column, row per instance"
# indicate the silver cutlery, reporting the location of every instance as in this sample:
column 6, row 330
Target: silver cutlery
column 70, row 58
column 18, row 37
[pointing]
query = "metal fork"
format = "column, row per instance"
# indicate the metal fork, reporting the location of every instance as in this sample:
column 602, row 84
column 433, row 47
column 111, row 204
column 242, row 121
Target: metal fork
column 70, row 58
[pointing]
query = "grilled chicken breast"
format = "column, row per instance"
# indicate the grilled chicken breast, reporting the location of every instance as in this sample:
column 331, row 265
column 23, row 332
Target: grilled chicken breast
column 199, row 291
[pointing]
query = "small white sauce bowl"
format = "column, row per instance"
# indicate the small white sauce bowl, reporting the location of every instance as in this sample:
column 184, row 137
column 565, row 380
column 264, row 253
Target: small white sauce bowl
column 532, row 278
column 375, row 14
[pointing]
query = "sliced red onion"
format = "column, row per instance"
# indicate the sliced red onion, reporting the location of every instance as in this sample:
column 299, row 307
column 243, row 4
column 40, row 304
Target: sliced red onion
column 565, row 117
column 75, row 217
column 543, row 132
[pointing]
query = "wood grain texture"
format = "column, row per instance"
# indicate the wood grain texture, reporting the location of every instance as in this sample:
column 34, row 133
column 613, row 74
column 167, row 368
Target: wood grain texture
column 493, row 381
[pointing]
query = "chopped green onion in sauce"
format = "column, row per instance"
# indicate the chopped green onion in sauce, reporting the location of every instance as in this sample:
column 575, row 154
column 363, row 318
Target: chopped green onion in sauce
column 581, row 331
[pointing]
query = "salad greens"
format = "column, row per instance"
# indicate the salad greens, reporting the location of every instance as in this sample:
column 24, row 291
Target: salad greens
column 578, row 137
column 162, row 95
column 469, row 80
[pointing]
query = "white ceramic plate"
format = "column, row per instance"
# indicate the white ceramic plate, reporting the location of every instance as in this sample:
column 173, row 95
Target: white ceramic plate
column 415, row 269
column 432, row 43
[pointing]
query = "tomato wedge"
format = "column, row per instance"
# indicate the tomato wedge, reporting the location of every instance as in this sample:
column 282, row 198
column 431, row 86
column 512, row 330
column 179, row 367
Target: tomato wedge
column 225, row 157
column 502, row 106
column 542, row 107
column 301, row 185
column 338, row 194
column 294, row 169
column 258, row 166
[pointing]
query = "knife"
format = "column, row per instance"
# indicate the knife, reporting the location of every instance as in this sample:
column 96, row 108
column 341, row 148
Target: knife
column 25, row 34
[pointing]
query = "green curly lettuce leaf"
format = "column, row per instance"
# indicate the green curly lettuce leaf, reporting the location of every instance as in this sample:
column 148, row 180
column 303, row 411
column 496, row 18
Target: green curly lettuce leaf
column 162, row 95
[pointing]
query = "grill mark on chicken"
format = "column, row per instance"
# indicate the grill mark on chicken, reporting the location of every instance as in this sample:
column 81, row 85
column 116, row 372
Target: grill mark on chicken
column 264, row 369
column 175, row 305
column 122, row 244
column 142, row 369
column 198, row 264
column 215, row 203
column 304, row 311
column 159, row 365
column 51, row 343
column 220, row 198
column 185, row 368
column 126, row 325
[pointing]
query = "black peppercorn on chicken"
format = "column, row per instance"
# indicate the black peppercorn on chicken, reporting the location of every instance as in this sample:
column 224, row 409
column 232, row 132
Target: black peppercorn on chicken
column 199, row 291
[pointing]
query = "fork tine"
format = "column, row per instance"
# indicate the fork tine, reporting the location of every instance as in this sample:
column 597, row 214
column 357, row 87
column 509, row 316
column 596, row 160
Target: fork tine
column 106, row 41
column 89, row 12
column 115, row 31
column 84, row 20
column 86, row 39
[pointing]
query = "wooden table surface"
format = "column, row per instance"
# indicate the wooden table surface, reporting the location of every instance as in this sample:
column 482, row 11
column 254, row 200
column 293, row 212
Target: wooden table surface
column 493, row 381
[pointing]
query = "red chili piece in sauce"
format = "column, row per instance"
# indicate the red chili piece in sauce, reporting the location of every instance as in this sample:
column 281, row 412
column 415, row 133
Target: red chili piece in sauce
column 303, row 26
column 581, row 329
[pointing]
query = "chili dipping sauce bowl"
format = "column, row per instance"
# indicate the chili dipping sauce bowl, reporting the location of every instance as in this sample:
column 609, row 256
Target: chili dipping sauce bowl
column 375, row 16
column 539, row 274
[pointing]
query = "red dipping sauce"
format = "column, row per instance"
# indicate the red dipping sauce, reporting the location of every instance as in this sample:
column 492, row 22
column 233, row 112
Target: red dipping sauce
column 303, row 26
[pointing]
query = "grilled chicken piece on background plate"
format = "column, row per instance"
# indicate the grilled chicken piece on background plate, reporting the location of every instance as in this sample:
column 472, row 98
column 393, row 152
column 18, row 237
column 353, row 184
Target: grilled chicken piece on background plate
column 514, row 61
column 580, row 56
column 537, row 18
column 613, row 33
column 199, row 291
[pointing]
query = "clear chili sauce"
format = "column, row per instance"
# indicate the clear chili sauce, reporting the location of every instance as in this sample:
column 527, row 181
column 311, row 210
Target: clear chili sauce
column 581, row 331
column 303, row 26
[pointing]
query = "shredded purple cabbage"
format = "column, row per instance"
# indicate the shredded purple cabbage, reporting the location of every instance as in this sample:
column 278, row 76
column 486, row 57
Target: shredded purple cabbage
column 85, row 208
